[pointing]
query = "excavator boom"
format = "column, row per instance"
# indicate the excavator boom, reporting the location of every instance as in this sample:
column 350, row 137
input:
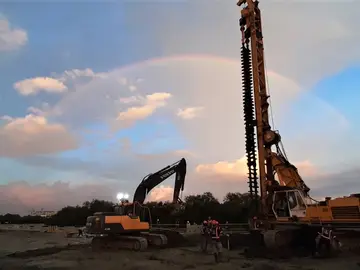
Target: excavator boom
column 152, row 180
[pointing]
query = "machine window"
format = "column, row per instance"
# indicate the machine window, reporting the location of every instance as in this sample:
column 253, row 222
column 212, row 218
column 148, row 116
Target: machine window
column 300, row 201
column 292, row 200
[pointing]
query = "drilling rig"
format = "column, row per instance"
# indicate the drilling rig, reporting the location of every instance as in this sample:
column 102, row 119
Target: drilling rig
column 280, row 194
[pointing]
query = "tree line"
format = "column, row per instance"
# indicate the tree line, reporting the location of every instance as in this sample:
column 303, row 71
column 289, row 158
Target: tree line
column 234, row 208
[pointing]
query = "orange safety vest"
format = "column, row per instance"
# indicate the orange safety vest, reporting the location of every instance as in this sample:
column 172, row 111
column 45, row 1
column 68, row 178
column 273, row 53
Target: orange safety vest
column 215, row 230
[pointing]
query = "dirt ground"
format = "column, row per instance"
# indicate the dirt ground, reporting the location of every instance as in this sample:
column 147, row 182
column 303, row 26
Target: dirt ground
column 177, row 258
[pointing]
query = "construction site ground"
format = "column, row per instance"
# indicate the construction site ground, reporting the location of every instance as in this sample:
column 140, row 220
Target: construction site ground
column 39, row 250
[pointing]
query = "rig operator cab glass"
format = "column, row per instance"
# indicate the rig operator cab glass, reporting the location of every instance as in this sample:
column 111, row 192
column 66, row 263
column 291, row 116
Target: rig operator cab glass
column 289, row 204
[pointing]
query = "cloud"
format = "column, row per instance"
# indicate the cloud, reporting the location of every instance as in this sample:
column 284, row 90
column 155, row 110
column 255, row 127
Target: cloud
column 11, row 38
column 130, row 100
column 190, row 112
column 161, row 194
column 44, row 108
column 58, row 83
column 328, row 27
column 35, row 85
column 151, row 103
column 32, row 135
column 21, row 197
column 132, row 88
column 237, row 170
column 77, row 73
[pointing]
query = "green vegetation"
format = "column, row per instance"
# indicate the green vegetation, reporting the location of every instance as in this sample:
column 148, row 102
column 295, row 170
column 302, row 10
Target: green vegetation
column 235, row 207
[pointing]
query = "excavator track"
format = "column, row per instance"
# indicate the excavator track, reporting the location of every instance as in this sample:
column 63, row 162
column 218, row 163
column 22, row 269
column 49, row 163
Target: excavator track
column 135, row 243
column 155, row 239
column 249, row 121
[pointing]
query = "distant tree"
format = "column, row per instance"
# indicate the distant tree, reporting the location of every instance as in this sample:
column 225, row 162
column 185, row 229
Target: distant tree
column 17, row 219
column 199, row 207
column 236, row 207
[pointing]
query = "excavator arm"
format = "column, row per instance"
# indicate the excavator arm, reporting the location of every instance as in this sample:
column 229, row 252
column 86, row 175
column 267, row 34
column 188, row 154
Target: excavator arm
column 152, row 180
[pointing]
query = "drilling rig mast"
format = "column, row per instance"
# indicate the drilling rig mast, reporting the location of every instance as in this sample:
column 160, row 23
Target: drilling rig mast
column 255, row 99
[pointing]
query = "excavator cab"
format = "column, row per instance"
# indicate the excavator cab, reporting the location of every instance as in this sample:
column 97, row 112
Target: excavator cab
column 288, row 204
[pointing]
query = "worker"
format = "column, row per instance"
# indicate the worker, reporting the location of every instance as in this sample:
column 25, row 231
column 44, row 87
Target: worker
column 205, row 232
column 204, row 227
column 215, row 240
column 327, row 239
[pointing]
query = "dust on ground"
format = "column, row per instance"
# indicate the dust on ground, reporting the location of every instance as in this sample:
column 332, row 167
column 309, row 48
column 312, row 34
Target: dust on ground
column 164, row 259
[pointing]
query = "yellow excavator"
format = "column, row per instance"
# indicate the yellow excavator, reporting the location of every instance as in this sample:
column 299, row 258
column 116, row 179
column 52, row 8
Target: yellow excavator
column 123, row 228
column 285, row 204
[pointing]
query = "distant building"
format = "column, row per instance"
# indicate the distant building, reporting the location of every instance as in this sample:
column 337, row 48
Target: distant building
column 43, row 213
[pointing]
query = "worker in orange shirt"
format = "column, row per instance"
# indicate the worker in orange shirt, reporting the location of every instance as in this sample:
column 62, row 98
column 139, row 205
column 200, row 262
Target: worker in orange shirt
column 216, row 232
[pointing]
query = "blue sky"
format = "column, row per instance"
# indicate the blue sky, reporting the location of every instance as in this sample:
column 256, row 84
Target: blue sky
column 131, row 88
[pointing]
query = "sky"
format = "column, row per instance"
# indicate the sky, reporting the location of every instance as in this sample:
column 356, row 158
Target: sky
column 94, row 96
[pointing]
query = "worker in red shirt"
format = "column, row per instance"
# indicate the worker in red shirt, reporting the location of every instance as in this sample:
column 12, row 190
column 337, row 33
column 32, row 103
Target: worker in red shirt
column 216, row 232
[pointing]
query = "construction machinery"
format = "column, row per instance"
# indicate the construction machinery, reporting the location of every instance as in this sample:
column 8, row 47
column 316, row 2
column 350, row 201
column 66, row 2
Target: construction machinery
column 285, row 205
column 124, row 228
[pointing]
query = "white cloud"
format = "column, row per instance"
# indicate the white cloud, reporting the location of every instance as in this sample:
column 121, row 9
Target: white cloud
column 57, row 83
column 11, row 38
column 132, row 88
column 152, row 102
column 190, row 112
column 238, row 171
column 161, row 194
column 33, row 135
column 35, row 85
column 77, row 73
